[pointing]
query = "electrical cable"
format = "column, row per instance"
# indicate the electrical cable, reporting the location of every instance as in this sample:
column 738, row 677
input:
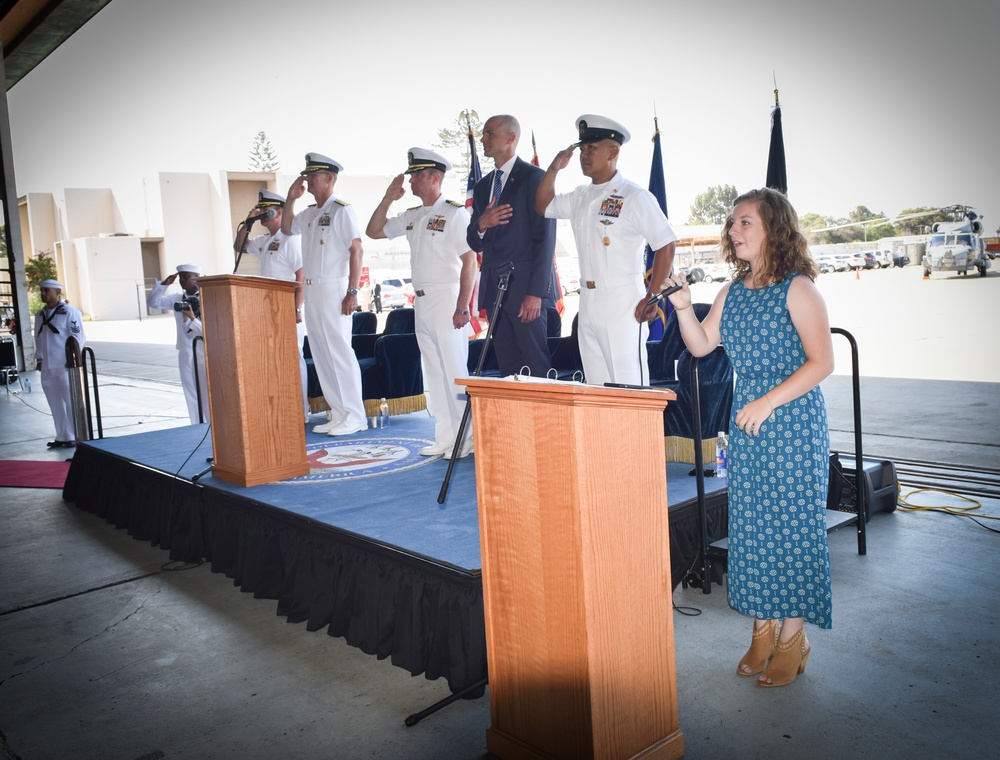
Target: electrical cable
column 959, row 511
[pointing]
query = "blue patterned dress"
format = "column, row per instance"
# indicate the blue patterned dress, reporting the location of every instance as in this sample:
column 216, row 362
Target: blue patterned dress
column 779, row 563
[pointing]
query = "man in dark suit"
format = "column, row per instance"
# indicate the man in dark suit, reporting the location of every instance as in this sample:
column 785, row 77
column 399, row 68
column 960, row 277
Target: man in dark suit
column 505, row 228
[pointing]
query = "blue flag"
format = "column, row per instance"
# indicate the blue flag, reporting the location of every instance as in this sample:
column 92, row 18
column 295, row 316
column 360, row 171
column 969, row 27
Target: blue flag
column 658, row 187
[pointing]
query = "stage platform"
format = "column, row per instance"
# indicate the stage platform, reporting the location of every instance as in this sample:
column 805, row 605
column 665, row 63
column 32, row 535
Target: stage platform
column 360, row 546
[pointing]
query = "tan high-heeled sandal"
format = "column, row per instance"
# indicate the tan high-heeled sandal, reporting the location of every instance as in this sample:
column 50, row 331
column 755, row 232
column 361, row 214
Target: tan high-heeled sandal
column 765, row 640
column 789, row 661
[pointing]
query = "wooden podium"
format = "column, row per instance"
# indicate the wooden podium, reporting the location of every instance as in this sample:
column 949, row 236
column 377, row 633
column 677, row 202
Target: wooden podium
column 254, row 391
column 572, row 490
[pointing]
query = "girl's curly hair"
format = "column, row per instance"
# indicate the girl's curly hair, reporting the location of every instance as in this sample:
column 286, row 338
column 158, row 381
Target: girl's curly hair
column 785, row 249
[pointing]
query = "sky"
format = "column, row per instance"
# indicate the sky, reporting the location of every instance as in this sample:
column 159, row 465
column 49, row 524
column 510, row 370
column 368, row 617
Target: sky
column 889, row 104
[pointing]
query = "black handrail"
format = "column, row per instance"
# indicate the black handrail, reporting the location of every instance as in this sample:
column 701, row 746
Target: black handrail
column 89, row 352
column 861, row 492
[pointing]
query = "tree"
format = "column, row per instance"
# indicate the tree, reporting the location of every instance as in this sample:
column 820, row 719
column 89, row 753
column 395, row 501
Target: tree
column 913, row 221
column 262, row 158
column 454, row 143
column 713, row 205
column 39, row 269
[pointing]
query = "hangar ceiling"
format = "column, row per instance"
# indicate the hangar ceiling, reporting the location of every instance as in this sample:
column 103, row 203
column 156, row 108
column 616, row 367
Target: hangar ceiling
column 31, row 29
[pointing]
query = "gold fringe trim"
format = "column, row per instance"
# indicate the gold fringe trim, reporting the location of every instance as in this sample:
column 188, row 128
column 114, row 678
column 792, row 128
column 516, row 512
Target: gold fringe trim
column 404, row 405
column 680, row 449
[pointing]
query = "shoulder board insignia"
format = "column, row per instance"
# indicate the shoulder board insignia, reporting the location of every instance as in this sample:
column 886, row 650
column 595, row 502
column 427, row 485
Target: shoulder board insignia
column 311, row 205
column 456, row 204
column 341, row 202
column 413, row 208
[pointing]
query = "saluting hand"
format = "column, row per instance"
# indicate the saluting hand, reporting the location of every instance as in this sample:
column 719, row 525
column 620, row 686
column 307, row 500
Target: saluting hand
column 297, row 189
column 396, row 189
column 561, row 161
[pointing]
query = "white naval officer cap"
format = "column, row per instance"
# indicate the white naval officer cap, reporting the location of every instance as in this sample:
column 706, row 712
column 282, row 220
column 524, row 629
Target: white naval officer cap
column 317, row 162
column 593, row 128
column 191, row 268
column 268, row 198
column 54, row 284
column 422, row 158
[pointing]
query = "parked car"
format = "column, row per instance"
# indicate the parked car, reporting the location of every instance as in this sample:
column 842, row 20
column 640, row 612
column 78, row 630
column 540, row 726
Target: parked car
column 716, row 272
column 570, row 282
column 393, row 294
column 408, row 290
column 844, row 261
column 826, row 264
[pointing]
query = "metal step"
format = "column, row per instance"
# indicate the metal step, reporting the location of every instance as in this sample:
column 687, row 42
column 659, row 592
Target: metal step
column 834, row 519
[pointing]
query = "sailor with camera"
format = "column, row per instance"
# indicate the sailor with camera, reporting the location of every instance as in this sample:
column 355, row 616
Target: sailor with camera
column 186, row 306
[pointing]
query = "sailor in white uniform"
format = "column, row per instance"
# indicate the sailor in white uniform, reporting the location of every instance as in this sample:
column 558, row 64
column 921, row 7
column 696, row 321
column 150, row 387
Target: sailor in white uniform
column 281, row 258
column 444, row 272
column 55, row 323
column 612, row 221
column 331, row 259
column 188, row 328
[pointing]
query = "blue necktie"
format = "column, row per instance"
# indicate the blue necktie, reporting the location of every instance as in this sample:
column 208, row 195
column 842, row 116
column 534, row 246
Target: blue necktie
column 497, row 183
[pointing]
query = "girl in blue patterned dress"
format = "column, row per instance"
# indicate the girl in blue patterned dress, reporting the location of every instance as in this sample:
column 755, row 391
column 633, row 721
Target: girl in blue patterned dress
column 773, row 324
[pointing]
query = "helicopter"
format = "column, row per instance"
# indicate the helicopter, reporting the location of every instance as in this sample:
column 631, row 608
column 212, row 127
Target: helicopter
column 957, row 246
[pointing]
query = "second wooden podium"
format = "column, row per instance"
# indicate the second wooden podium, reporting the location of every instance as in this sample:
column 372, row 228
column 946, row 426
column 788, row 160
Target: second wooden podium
column 572, row 489
column 255, row 395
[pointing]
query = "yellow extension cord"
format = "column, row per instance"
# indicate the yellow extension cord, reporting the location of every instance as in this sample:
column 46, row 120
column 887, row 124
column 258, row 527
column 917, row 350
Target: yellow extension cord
column 906, row 506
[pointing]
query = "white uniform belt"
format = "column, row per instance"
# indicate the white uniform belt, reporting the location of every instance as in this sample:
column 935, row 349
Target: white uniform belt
column 322, row 280
column 610, row 282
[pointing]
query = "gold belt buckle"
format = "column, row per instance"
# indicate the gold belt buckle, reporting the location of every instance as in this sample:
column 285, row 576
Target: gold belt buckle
column 591, row 284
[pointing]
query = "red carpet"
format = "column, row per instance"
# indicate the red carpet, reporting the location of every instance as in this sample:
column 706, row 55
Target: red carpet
column 20, row 473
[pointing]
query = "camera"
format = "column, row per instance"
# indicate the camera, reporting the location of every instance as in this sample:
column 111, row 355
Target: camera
column 194, row 302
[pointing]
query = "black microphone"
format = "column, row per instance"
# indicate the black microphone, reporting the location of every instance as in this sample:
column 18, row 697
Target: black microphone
column 269, row 214
column 667, row 291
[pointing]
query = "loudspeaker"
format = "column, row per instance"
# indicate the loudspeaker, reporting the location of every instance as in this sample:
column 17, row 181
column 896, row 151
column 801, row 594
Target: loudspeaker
column 881, row 488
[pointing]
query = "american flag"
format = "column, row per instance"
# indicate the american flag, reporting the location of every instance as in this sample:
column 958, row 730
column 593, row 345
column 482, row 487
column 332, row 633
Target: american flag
column 477, row 322
column 475, row 173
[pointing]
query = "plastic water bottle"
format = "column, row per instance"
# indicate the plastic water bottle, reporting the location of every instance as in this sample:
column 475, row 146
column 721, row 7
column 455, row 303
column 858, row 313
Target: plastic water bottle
column 383, row 413
column 27, row 384
column 721, row 455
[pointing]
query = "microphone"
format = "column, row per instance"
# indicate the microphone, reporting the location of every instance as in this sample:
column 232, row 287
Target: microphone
column 269, row 214
column 668, row 290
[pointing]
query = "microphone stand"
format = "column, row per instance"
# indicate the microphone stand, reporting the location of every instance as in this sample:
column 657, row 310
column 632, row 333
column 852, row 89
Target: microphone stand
column 246, row 239
column 505, row 271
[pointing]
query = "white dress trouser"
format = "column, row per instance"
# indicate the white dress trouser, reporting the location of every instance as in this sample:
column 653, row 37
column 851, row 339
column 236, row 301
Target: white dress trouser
column 444, row 355
column 55, row 384
column 185, row 362
column 333, row 356
column 612, row 343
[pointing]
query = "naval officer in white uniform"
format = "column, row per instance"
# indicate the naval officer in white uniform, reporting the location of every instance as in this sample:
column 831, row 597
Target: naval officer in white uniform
column 280, row 257
column 188, row 328
column 56, row 323
column 612, row 221
column 331, row 261
column 444, row 272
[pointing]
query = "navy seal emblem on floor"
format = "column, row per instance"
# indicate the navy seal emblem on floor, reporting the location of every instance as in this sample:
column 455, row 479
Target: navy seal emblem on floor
column 349, row 458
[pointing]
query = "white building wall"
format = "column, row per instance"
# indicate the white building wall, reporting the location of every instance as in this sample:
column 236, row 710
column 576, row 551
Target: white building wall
column 110, row 277
column 191, row 226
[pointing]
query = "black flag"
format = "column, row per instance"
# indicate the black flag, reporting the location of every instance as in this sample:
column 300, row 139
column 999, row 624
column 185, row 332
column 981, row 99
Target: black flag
column 777, row 178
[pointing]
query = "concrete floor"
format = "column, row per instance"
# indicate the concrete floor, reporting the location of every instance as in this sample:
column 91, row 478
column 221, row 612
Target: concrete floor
column 109, row 651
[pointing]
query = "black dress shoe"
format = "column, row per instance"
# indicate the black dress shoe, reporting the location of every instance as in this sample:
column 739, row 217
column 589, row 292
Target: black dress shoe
column 60, row 444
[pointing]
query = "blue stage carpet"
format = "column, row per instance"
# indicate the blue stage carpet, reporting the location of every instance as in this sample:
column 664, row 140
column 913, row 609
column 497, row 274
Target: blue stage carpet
column 373, row 484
